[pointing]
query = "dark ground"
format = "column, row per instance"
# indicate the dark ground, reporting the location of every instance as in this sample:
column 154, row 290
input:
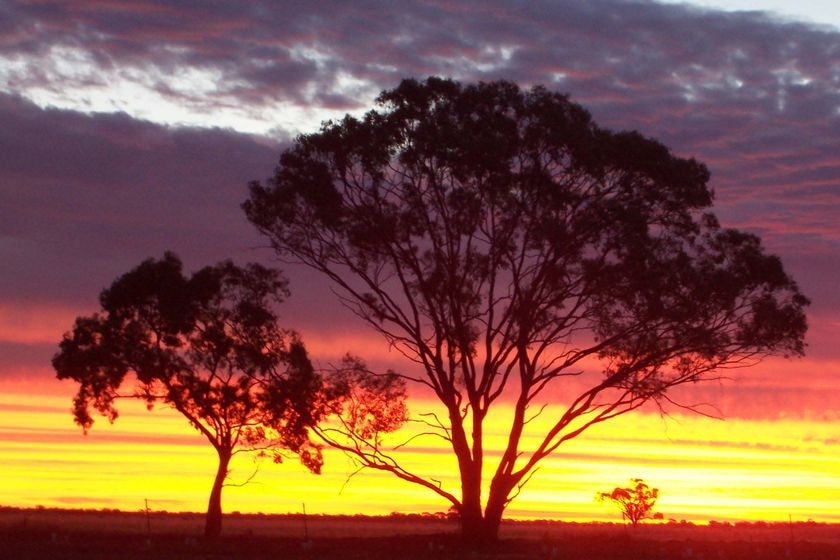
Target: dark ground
column 75, row 535
column 29, row 544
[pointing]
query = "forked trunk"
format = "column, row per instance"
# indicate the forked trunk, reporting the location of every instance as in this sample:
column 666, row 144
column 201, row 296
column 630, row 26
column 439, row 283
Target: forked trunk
column 213, row 519
column 480, row 529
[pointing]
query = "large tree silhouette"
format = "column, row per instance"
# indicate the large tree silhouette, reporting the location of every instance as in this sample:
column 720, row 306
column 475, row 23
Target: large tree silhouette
column 519, row 253
column 208, row 345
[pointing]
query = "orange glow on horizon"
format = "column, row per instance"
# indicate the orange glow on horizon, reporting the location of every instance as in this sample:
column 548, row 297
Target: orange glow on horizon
column 706, row 469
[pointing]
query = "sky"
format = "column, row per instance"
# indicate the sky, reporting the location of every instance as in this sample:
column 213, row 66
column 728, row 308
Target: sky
column 131, row 127
column 820, row 12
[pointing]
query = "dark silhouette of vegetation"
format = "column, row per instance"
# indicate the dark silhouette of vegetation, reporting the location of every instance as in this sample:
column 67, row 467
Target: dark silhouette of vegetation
column 74, row 534
column 635, row 502
column 209, row 346
column 363, row 403
column 516, row 252
column 351, row 402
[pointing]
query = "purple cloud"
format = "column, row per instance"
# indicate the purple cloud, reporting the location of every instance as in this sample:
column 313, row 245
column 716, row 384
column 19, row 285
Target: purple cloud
column 85, row 196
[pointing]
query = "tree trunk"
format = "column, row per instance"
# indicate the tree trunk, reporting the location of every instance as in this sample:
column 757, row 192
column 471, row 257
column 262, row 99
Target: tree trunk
column 496, row 503
column 480, row 529
column 470, row 470
column 479, row 532
column 471, row 514
column 213, row 519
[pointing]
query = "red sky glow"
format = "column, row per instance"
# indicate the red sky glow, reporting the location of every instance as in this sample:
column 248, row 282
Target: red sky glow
column 131, row 128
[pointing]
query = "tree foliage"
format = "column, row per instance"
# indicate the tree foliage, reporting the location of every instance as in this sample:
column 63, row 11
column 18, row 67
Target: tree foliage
column 516, row 252
column 635, row 502
column 209, row 346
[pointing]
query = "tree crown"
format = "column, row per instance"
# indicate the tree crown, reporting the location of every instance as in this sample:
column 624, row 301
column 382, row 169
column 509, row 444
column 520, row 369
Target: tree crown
column 466, row 211
column 208, row 344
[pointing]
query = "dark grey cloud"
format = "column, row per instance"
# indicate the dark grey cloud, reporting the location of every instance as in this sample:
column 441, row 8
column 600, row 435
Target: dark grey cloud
column 723, row 85
column 86, row 197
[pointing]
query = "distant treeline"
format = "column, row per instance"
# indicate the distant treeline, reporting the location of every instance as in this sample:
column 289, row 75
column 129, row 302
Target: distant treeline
column 410, row 517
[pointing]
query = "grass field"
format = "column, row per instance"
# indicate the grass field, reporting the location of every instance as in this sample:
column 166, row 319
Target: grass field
column 72, row 534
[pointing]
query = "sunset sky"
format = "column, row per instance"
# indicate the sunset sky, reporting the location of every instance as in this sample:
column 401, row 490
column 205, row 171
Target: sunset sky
column 130, row 127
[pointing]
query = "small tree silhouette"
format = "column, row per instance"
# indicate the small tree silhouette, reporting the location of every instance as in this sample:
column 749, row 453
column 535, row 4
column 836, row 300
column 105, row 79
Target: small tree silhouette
column 636, row 502
column 209, row 345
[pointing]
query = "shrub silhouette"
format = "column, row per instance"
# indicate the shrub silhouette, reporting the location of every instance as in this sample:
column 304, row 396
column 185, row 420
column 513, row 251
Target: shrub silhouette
column 635, row 502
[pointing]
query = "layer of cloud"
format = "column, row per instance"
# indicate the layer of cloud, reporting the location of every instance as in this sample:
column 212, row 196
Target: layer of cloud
column 756, row 98
column 86, row 197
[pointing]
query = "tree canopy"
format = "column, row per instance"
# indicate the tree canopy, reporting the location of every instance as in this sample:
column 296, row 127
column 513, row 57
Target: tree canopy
column 210, row 346
column 516, row 252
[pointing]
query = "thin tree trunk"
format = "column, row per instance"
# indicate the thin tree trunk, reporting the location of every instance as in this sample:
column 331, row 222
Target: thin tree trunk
column 213, row 519
column 496, row 504
column 472, row 521
column 471, row 514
